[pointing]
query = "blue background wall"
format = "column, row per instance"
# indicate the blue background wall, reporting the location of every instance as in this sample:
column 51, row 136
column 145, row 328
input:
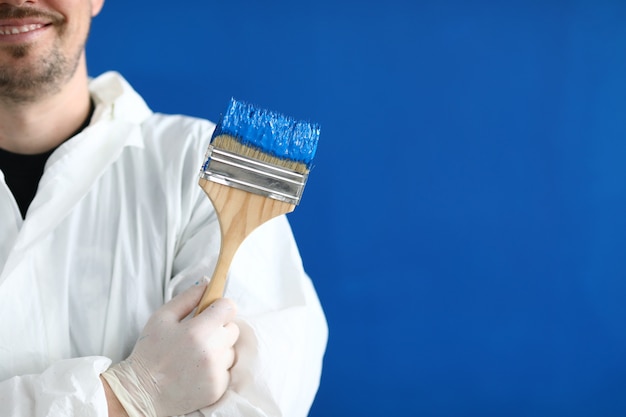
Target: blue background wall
column 465, row 222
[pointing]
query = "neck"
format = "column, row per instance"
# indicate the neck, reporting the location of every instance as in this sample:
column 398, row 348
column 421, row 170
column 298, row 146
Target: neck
column 42, row 125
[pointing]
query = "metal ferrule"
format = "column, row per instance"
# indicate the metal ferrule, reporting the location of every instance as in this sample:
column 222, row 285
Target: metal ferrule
column 250, row 175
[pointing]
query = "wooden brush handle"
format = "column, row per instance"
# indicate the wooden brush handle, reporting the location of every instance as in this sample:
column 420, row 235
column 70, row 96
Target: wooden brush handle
column 239, row 213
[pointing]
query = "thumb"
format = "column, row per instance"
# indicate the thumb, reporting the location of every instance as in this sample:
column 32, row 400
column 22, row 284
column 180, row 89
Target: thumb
column 180, row 306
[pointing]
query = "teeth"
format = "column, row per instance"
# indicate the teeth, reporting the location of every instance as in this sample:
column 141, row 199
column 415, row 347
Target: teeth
column 15, row 30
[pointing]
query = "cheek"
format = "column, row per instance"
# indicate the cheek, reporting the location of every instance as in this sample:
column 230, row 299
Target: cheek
column 76, row 27
column 77, row 13
column 96, row 6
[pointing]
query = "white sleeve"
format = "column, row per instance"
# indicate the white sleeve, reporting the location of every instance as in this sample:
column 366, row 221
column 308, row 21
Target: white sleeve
column 283, row 327
column 67, row 388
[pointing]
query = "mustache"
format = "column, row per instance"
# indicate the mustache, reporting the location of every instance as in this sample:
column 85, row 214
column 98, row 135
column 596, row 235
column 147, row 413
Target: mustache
column 8, row 11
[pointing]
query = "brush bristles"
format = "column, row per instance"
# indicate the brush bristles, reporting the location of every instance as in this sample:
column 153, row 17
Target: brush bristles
column 261, row 152
column 234, row 145
column 270, row 132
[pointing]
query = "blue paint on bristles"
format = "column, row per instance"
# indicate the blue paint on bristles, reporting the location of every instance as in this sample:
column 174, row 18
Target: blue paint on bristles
column 270, row 132
column 262, row 152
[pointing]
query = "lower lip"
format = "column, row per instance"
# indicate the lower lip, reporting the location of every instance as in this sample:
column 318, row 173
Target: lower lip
column 22, row 36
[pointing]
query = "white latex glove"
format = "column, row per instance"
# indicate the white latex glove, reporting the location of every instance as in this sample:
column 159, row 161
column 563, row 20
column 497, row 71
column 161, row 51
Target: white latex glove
column 178, row 366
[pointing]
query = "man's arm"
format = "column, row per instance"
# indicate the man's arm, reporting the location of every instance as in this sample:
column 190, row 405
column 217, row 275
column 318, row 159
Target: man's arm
column 115, row 407
column 177, row 366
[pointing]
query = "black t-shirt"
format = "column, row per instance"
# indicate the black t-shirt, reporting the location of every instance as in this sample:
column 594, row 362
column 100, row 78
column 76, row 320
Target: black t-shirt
column 23, row 172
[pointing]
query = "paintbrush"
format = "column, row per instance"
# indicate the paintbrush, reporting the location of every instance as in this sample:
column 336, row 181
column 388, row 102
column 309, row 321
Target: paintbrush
column 255, row 169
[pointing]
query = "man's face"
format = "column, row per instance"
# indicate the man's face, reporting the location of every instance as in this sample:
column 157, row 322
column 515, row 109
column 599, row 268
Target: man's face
column 41, row 45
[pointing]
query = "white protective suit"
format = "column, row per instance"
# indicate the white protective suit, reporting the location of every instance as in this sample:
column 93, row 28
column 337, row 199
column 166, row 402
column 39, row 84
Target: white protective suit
column 119, row 225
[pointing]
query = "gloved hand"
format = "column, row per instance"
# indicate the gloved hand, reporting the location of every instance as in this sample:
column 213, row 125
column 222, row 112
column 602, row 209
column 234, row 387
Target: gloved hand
column 178, row 366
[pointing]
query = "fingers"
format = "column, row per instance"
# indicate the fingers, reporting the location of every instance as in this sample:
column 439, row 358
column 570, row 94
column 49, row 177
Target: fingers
column 230, row 358
column 192, row 356
column 231, row 331
column 222, row 310
column 183, row 304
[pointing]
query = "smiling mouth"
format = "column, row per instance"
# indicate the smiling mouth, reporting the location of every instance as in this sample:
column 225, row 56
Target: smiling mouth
column 16, row 30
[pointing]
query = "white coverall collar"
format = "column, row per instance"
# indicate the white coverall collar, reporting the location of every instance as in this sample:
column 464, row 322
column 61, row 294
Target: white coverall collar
column 79, row 162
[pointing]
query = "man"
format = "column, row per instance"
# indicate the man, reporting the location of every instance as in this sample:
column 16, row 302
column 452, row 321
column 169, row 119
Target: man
column 104, row 239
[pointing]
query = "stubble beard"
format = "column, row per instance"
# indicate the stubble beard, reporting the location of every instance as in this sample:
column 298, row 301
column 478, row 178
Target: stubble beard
column 24, row 83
